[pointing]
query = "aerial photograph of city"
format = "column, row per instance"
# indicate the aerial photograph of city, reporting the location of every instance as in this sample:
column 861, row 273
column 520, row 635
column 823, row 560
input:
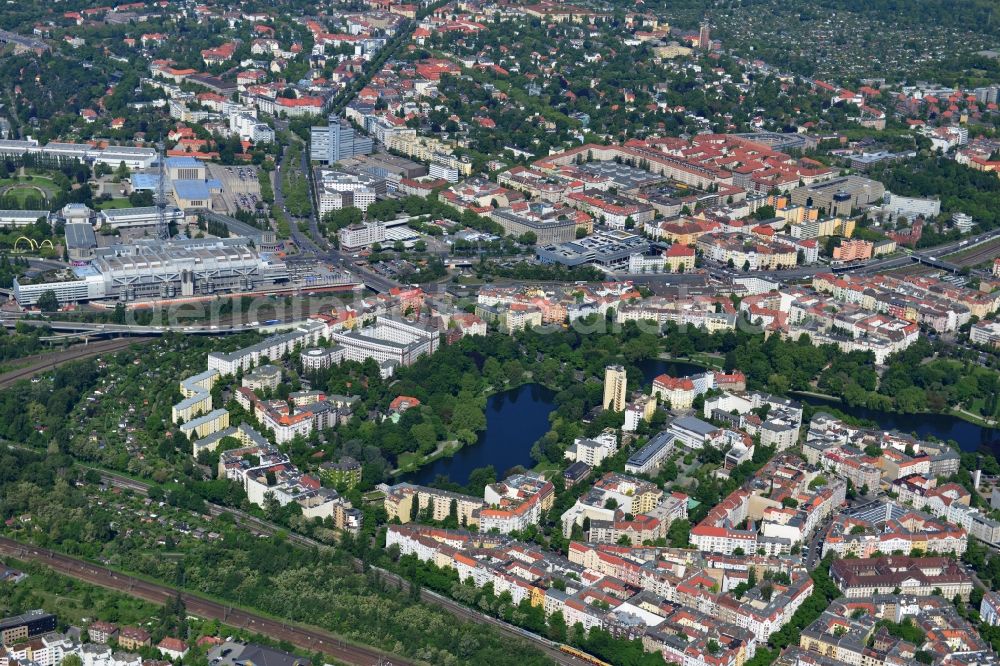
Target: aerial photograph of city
column 500, row 332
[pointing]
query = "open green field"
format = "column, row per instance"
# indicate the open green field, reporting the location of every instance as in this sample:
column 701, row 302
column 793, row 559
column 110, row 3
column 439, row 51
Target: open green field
column 41, row 180
column 22, row 193
column 25, row 193
column 113, row 204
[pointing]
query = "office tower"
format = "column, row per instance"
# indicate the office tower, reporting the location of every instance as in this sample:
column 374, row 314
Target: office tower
column 337, row 141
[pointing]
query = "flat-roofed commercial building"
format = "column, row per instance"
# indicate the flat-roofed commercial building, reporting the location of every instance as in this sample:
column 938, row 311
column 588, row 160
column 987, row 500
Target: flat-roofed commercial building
column 73, row 285
column 649, row 458
column 195, row 194
column 388, row 166
column 339, row 189
column 80, row 240
column 337, row 141
column 839, row 196
column 547, row 230
column 153, row 269
column 21, row 218
column 358, row 236
column 156, row 269
column 132, row 156
column 19, row 627
column 610, row 249
column 131, row 218
column 185, row 168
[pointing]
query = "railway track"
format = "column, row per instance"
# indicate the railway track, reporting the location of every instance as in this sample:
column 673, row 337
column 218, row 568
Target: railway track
column 48, row 362
column 980, row 255
column 243, row 519
column 306, row 638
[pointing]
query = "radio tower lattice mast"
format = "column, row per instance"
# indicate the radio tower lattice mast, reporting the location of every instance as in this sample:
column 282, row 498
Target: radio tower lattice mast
column 162, row 228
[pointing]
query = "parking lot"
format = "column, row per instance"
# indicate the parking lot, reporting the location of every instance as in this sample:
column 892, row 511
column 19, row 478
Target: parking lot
column 240, row 187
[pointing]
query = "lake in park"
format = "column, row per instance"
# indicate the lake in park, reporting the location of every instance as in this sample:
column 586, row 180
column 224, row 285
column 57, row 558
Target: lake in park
column 970, row 437
column 515, row 420
column 518, row 418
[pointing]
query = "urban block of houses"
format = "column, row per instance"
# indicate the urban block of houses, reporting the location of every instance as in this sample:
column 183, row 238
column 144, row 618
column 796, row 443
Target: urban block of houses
column 611, row 493
column 896, row 531
column 851, row 632
column 267, row 475
column 786, row 500
column 894, row 574
column 515, row 503
column 676, row 601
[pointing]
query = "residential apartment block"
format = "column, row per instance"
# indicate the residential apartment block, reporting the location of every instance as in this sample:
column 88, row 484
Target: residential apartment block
column 515, row 503
column 918, row 576
column 404, row 501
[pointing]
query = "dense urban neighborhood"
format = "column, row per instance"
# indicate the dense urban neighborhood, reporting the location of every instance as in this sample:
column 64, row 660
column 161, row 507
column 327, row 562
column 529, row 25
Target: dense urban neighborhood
column 490, row 332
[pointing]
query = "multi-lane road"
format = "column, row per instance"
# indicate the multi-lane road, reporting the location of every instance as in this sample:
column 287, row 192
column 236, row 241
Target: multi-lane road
column 313, row 244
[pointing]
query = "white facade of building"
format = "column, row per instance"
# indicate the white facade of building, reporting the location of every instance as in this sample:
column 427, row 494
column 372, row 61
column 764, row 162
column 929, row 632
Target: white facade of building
column 359, row 236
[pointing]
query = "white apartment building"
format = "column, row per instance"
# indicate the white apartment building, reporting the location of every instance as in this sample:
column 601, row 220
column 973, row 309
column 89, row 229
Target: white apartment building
column 330, row 200
column 910, row 207
column 985, row 333
column 593, row 451
column 515, row 503
column 975, row 523
column 320, row 358
column 989, row 610
column 338, row 189
column 264, row 377
column 244, row 122
column 359, row 236
column 387, row 340
column 46, row 650
column 271, row 349
column 286, row 427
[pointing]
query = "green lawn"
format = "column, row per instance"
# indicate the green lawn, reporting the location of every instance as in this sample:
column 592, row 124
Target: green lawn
column 548, row 469
column 31, row 178
column 35, row 178
column 707, row 360
column 23, row 192
column 408, row 460
column 112, row 204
